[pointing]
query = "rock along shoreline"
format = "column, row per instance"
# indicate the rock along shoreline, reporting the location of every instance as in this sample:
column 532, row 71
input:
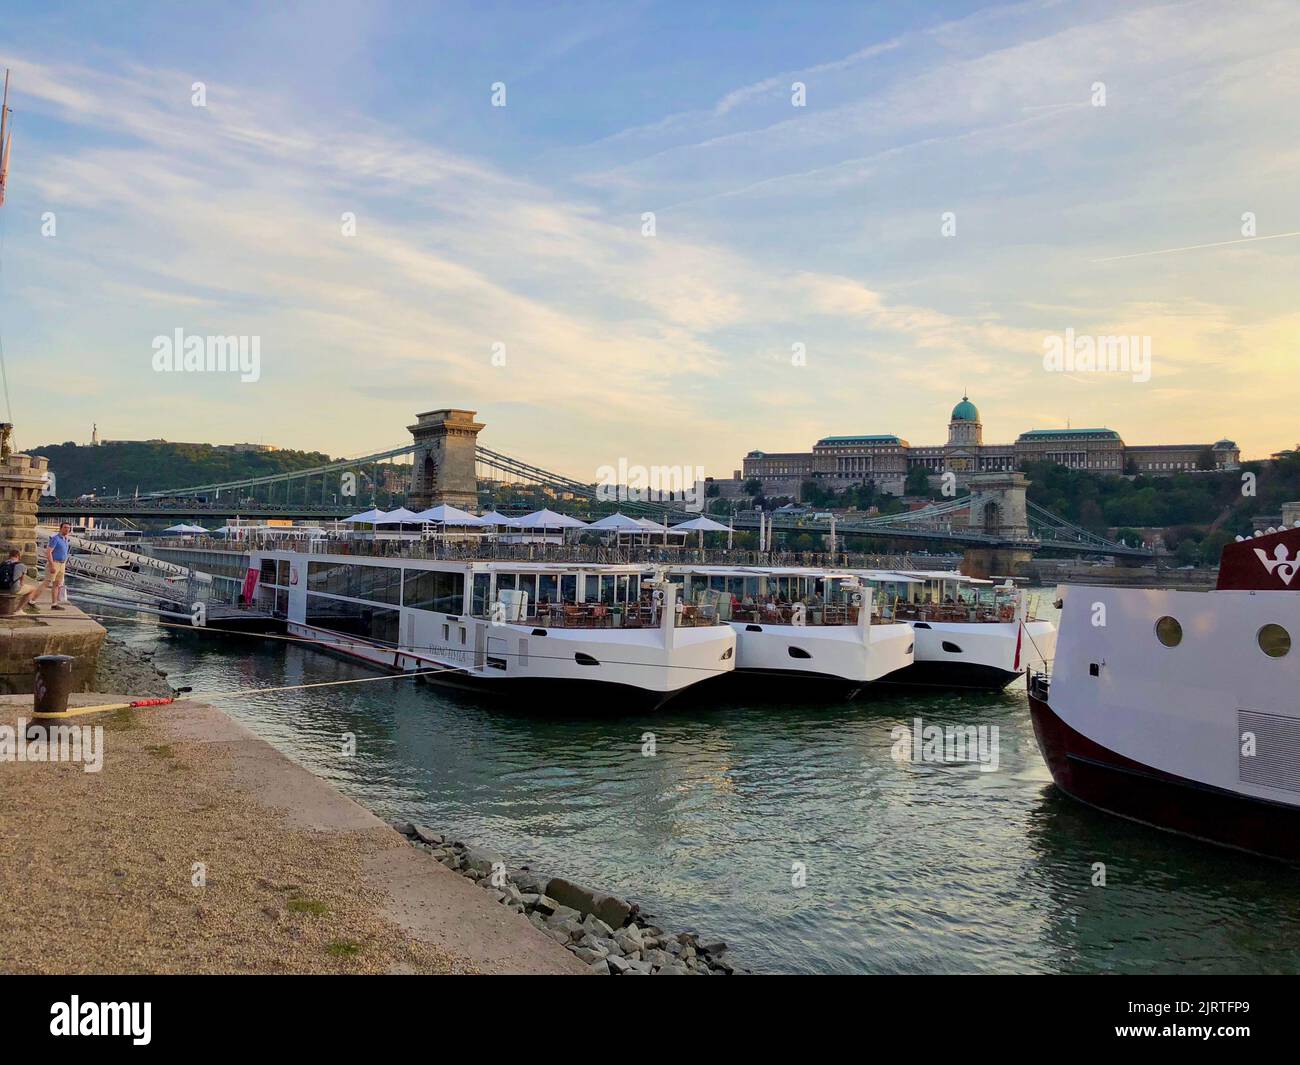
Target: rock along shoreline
column 611, row 935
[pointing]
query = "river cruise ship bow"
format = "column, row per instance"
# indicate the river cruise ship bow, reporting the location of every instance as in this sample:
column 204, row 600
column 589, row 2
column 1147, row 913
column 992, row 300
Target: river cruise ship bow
column 1179, row 708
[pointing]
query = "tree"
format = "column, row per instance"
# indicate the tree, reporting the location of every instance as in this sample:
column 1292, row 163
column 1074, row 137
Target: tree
column 918, row 482
column 753, row 486
column 1212, row 546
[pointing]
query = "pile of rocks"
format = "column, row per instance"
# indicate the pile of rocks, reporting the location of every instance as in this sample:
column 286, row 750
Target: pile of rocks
column 613, row 936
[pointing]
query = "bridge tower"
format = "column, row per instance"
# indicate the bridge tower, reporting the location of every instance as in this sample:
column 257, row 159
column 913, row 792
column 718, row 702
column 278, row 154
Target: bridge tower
column 997, row 508
column 443, row 467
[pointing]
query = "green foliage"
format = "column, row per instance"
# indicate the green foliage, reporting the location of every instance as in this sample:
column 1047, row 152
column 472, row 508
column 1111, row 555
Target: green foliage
column 1185, row 505
column 1098, row 502
column 114, row 469
column 918, row 482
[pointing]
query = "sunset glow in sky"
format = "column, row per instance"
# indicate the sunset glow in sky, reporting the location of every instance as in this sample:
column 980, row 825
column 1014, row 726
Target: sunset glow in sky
column 776, row 225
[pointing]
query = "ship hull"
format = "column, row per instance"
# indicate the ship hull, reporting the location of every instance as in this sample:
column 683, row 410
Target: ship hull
column 952, row 675
column 557, row 695
column 1100, row 777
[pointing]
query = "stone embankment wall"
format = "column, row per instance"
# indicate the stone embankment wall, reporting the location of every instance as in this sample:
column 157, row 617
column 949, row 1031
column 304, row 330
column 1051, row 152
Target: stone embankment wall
column 611, row 935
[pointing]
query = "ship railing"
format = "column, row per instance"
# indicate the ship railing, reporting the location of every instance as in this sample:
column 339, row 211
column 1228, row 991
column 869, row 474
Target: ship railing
column 775, row 611
column 487, row 550
column 604, row 616
column 955, row 612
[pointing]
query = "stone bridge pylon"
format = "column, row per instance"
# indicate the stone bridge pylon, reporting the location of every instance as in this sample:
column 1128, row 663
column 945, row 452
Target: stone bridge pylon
column 997, row 507
column 442, row 469
column 997, row 504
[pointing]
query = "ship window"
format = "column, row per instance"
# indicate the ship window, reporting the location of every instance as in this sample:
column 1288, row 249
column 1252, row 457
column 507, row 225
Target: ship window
column 951, row 647
column 1169, row 632
column 797, row 652
column 584, row 659
column 1274, row 640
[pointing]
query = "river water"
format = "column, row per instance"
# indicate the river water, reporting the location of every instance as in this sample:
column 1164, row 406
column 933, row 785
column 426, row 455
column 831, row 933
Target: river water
column 906, row 868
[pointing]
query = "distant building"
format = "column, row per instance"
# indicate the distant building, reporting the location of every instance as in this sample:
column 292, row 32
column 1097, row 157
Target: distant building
column 839, row 462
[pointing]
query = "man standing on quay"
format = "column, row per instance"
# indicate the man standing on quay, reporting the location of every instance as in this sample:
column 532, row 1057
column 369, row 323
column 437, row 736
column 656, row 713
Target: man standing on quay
column 56, row 561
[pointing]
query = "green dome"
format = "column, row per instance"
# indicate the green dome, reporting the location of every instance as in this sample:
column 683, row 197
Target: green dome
column 965, row 411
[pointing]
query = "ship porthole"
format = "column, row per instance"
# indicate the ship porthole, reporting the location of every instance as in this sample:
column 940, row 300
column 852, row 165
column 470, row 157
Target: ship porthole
column 1274, row 640
column 1169, row 632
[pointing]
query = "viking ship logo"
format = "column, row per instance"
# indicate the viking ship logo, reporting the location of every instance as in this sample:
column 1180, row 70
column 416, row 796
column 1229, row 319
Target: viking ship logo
column 1280, row 563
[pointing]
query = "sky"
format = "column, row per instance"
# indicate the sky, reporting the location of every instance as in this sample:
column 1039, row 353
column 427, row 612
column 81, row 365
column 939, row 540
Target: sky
column 692, row 230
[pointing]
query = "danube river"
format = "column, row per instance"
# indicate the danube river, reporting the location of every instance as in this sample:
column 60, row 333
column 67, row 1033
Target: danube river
column 906, row 868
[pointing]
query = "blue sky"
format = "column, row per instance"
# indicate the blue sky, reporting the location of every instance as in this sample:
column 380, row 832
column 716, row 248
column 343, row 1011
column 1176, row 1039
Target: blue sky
column 775, row 225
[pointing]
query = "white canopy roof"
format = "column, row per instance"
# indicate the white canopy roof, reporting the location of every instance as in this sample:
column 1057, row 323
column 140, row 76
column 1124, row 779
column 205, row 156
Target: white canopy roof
column 493, row 518
column 548, row 519
column 700, row 524
column 446, row 514
column 368, row 517
column 186, row 530
column 396, row 517
column 617, row 522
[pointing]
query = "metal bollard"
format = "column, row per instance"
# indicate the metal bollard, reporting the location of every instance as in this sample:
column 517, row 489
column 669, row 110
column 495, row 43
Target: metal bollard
column 53, row 683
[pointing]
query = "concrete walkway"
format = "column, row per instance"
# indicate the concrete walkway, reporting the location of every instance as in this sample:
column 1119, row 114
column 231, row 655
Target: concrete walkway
column 200, row 848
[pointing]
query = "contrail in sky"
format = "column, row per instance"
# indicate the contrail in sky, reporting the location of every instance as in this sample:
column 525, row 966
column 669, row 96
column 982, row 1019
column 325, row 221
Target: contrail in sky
column 1194, row 247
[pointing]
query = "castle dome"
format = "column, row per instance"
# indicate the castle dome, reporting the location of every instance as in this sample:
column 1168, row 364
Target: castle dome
column 965, row 411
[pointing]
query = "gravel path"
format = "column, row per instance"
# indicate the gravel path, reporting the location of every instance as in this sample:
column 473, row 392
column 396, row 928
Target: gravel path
column 98, row 871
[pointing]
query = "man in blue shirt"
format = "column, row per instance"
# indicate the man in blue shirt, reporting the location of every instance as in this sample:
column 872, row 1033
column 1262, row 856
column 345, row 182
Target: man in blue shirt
column 56, row 561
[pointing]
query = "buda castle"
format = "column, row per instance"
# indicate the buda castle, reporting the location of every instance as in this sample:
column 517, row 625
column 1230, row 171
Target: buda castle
column 839, row 462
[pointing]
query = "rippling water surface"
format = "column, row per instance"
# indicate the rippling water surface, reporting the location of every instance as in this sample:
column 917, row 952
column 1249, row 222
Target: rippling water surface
column 910, row 868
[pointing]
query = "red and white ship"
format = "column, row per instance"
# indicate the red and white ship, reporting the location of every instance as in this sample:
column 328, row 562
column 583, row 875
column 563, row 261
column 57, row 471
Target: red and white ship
column 1181, row 709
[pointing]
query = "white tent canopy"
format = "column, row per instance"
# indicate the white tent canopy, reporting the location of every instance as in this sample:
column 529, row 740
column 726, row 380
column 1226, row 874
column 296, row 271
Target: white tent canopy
column 617, row 522
column 548, row 519
column 700, row 524
column 396, row 517
column 493, row 518
column 446, row 514
column 366, row 517
column 185, row 530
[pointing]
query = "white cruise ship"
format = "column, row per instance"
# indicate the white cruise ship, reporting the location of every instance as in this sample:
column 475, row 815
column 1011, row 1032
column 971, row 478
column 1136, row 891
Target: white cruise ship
column 970, row 633
column 571, row 635
column 814, row 628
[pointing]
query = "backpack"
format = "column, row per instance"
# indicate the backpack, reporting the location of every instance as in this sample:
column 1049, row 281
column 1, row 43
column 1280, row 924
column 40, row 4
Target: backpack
column 8, row 571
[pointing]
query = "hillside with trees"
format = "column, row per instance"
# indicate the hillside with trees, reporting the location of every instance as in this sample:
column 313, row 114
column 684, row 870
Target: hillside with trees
column 121, row 468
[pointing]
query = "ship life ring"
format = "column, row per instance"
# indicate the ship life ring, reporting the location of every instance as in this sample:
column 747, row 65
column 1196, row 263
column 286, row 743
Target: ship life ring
column 293, row 574
column 658, row 597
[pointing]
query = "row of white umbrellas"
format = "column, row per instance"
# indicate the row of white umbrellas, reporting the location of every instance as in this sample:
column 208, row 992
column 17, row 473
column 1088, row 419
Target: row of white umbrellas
column 444, row 514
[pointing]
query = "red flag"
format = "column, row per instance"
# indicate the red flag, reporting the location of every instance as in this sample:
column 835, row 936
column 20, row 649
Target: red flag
column 250, row 585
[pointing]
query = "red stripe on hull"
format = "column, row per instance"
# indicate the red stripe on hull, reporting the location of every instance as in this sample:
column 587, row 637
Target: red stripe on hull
column 1096, row 775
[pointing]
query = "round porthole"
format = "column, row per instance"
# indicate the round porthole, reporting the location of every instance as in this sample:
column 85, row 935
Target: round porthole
column 1274, row 640
column 1169, row 632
